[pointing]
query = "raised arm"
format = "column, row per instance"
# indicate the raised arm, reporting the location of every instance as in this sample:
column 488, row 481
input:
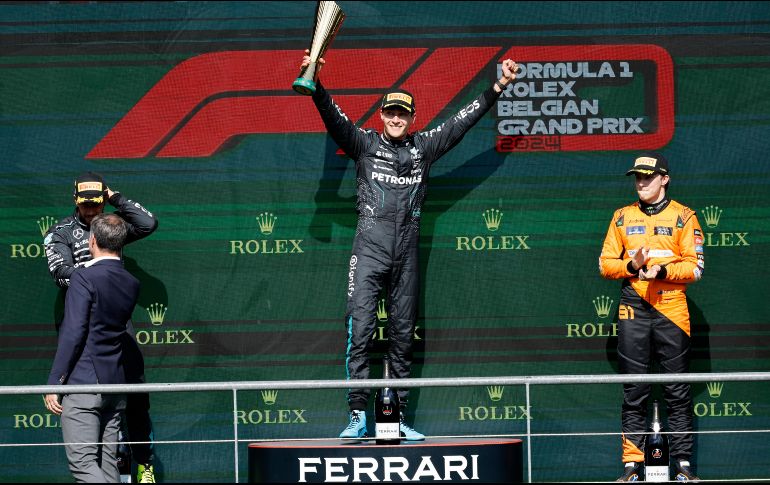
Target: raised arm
column 443, row 138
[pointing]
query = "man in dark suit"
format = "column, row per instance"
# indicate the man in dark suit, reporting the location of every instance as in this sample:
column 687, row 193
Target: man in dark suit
column 96, row 348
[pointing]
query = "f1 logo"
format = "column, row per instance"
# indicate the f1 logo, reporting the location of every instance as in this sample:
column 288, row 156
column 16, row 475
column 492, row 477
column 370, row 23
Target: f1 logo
column 207, row 100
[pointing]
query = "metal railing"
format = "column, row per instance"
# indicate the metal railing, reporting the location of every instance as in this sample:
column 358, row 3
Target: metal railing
column 526, row 381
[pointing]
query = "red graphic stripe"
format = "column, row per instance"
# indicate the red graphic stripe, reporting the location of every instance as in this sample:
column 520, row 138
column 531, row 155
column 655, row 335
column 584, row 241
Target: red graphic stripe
column 439, row 79
column 193, row 81
column 225, row 118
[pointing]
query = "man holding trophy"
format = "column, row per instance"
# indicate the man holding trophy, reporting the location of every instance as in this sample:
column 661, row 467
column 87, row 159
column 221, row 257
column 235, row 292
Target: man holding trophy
column 392, row 170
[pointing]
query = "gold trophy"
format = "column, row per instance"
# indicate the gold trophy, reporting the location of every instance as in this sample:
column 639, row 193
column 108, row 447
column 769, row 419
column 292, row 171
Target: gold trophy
column 328, row 20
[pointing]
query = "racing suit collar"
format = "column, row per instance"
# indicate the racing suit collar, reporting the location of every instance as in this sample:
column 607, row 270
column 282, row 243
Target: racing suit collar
column 76, row 216
column 652, row 209
column 395, row 143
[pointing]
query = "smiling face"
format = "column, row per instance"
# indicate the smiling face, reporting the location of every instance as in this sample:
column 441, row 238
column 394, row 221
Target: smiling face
column 396, row 122
column 651, row 188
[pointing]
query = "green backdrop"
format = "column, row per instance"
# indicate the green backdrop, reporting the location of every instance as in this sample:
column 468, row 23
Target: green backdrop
column 187, row 108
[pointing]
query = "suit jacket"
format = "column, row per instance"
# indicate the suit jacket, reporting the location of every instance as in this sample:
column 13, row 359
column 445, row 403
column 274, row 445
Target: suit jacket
column 94, row 344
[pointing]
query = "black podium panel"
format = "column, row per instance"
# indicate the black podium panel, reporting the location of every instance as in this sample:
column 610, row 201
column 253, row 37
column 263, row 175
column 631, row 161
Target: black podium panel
column 480, row 460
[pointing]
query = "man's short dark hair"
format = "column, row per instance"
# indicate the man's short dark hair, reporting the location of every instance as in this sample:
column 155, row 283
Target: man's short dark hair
column 110, row 232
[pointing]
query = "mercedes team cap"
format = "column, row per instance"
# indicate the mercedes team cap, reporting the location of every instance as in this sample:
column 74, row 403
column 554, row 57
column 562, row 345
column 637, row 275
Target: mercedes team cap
column 650, row 163
column 89, row 188
column 400, row 98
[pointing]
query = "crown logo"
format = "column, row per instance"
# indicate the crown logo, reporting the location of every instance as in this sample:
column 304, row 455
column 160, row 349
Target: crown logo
column 495, row 392
column 45, row 223
column 712, row 214
column 157, row 313
column 715, row 389
column 266, row 223
column 269, row 397
column 603, row 305
column 382, row 313
column 492, row 218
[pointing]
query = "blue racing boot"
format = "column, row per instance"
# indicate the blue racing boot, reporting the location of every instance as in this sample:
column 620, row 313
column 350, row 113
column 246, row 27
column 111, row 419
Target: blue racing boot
column 357, row 426
column 408, row 433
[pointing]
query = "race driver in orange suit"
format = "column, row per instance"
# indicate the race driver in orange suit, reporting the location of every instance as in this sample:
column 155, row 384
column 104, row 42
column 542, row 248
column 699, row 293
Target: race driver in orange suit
column 654, row 245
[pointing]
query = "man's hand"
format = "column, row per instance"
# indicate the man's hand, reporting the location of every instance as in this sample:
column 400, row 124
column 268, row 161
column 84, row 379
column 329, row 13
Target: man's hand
column 52, row 403
column 306, row 61
column 650, row 274
column 640, row 258
column 509, row 74
column 509, row 71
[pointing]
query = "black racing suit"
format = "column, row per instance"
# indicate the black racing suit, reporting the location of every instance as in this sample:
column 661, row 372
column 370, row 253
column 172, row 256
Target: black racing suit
column 66, row 247
column 392, row 180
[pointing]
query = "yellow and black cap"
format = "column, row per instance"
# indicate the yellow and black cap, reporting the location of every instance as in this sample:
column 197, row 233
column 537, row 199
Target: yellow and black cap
column 89, row 188
column 399, row 99
column 649, row 163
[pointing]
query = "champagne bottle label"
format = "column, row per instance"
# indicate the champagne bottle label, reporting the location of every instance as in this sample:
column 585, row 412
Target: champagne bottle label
column 387, row 431
column 656, row 473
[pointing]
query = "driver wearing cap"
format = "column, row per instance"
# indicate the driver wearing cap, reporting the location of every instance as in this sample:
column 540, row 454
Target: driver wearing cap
column 392, row 170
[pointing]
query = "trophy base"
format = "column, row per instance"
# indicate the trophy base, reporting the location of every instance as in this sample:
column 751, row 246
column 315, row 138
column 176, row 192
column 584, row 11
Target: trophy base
column 304, row 86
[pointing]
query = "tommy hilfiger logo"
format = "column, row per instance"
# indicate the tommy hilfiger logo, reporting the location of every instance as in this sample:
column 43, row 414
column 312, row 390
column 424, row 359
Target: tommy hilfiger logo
column 266, row 223
column 492, row 218
column 603, row 306
column 157, row 313
column 711, row 214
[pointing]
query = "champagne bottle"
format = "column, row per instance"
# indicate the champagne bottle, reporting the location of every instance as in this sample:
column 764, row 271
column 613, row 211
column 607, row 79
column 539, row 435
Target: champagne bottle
column 387, row 413
column 656, row 458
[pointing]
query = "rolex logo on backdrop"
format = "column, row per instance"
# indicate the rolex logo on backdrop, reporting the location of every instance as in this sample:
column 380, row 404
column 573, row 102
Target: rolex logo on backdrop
column 33, row 249
column 264, row 243
column 36, row 420
column 159, row 335
column 710, row 217
column 602, row 326
column 381, row 330
column 717, row 407
column 494, row 239
column 495, row 408
column 267, row 412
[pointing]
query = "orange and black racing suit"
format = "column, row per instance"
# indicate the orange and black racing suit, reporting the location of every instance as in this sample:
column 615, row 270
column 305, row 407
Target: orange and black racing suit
column 392, row 181
column 653, row 320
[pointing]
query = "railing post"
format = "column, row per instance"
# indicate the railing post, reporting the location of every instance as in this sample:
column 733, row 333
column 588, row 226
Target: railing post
column 235, row 430
column 529, row 435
